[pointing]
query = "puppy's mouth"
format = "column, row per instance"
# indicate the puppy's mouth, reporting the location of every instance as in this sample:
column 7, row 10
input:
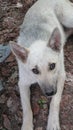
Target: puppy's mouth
column 47, row 93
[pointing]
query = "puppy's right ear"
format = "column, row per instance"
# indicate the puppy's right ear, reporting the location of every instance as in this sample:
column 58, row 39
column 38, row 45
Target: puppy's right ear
column 55, row 40
column 20, row 52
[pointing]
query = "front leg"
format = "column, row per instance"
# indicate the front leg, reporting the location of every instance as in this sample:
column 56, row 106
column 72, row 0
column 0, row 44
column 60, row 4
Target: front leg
column 53, row 118
column 27, row 112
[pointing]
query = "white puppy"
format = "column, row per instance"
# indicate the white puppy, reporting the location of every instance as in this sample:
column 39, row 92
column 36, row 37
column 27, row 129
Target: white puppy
column 39, row 53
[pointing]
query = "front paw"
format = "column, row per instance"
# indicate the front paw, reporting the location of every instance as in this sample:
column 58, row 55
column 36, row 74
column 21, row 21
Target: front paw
column 27, row 126
column 53, row 124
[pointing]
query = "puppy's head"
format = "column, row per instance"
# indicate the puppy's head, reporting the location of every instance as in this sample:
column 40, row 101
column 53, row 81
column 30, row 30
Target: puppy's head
column 42, row 62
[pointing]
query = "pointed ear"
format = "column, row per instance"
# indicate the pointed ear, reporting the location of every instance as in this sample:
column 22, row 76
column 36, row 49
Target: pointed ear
column 55, row 40
column 20, row 52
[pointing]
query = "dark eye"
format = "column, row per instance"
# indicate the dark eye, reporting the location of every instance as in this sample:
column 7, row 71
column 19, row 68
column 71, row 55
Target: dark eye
column 35, row 70
column 52, row 66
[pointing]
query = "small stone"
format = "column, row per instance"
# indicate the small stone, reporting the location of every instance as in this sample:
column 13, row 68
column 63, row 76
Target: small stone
column 39, row 128
column 2, row 98
column 44, row 106
column 13, row 103
column 19, row 5
column 1, row 86
column 7, row 123
column 9, row 102
column 4, row 52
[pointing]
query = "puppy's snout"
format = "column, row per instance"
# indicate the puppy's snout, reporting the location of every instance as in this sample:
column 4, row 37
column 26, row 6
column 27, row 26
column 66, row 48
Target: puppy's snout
column 51, row 92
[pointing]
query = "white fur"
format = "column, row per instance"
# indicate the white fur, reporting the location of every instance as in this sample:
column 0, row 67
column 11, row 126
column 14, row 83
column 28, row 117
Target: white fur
column 40, row 21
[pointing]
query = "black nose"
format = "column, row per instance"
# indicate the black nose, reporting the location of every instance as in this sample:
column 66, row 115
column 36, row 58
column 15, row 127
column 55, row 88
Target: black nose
column 51, row 93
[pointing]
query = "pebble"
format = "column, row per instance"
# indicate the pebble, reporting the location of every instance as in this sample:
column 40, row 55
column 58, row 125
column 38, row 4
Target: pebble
column 1, row 86
column 7, row 123
column 4, row 52
column 19, row 5
column 39, row 128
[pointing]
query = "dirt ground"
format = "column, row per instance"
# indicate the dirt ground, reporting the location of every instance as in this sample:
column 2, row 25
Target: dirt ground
column 11, row 16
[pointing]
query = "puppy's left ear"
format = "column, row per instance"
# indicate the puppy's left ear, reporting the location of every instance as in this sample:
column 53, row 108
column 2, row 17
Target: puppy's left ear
column 55, row 40
column 21, row 53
